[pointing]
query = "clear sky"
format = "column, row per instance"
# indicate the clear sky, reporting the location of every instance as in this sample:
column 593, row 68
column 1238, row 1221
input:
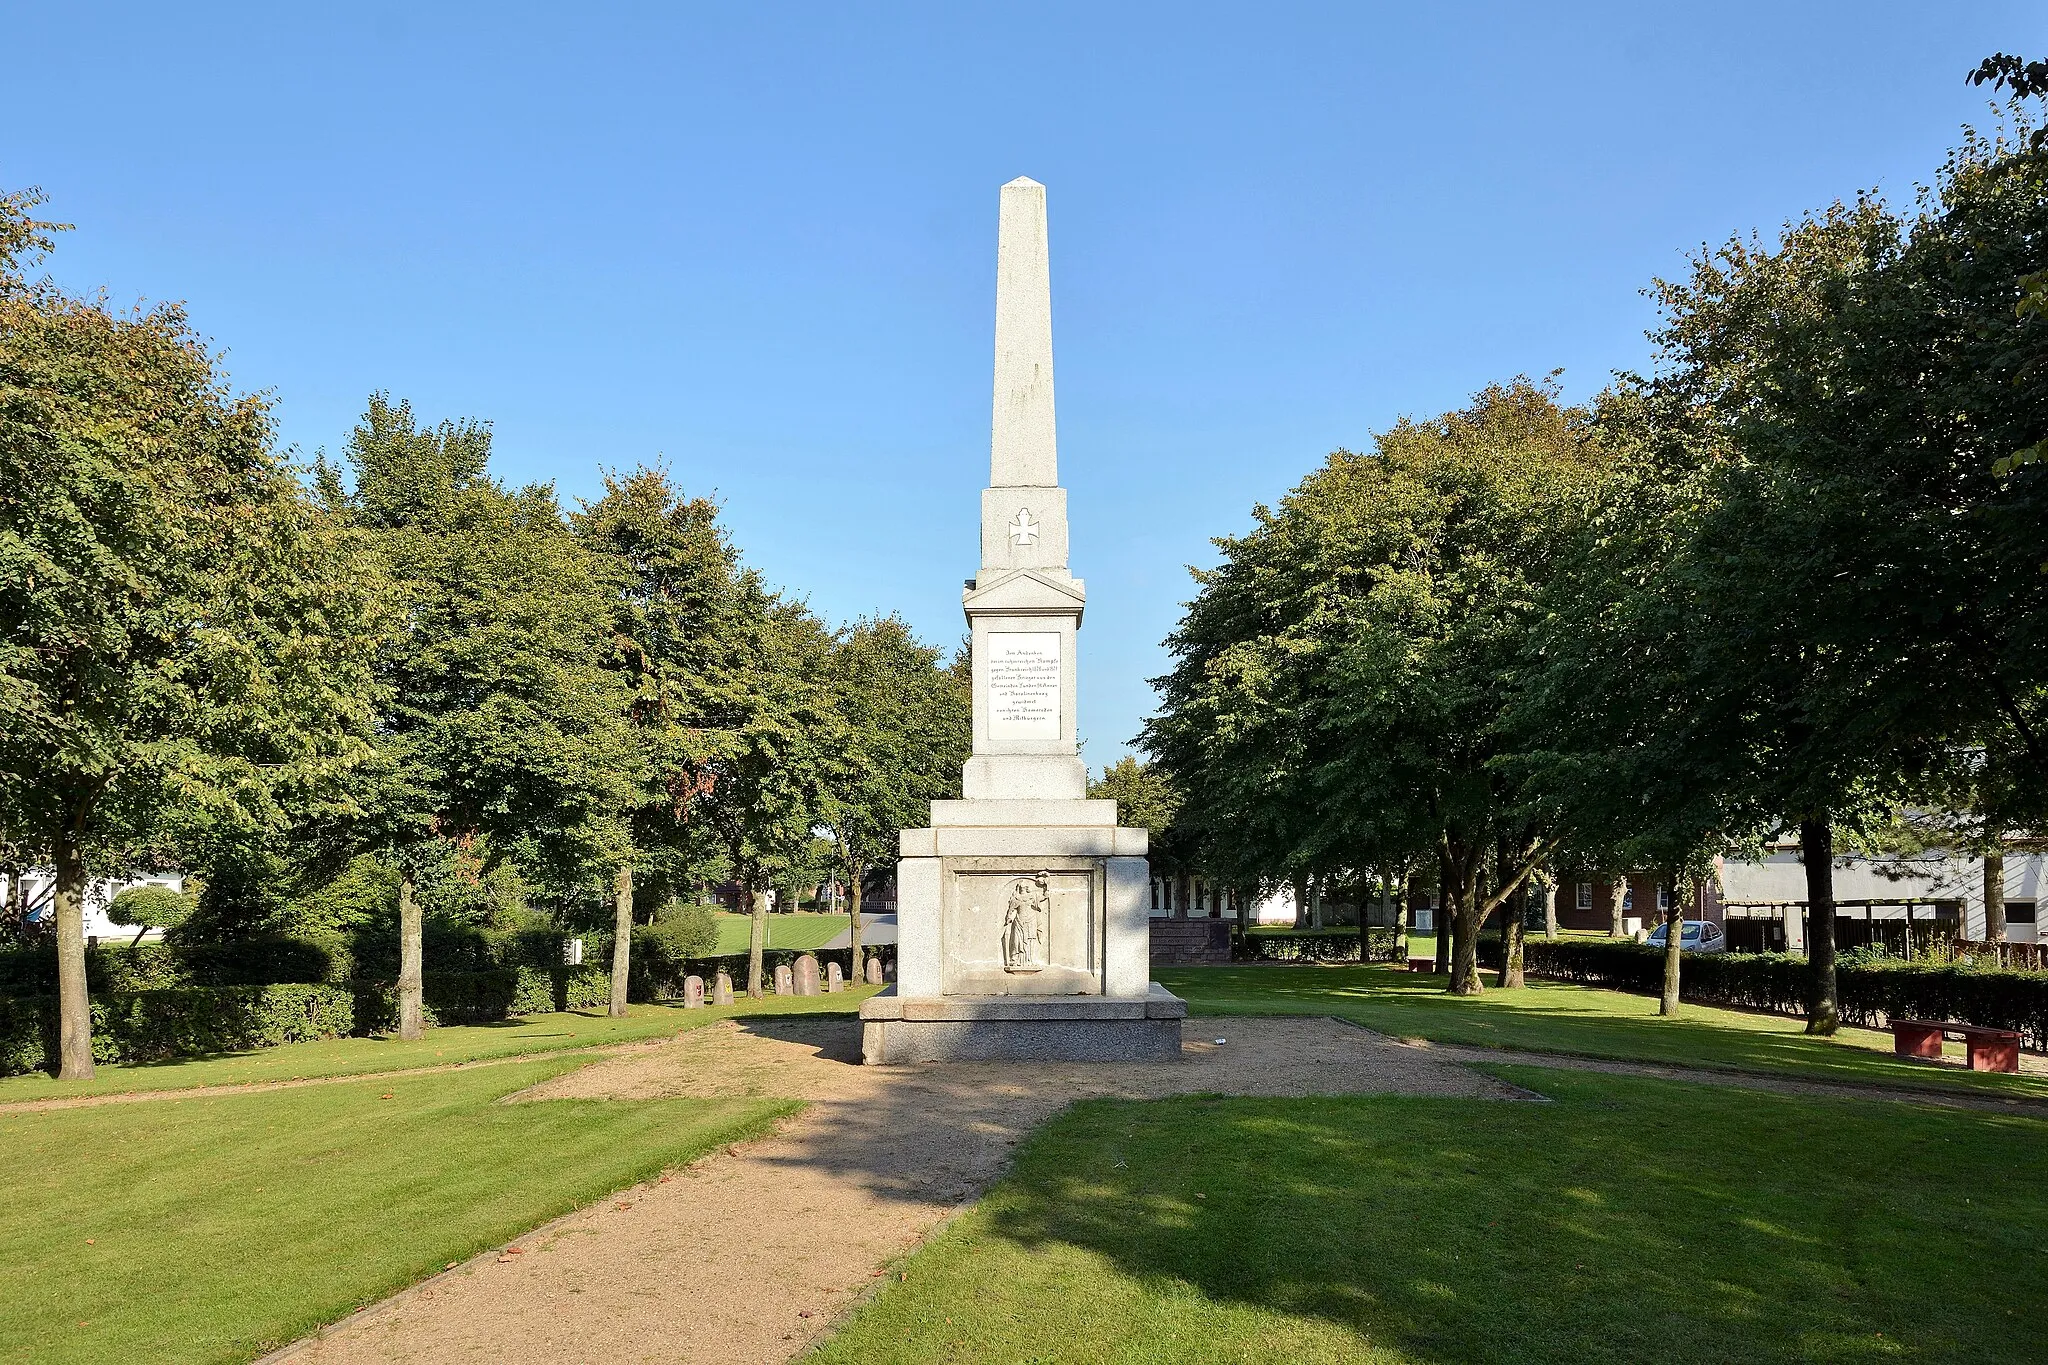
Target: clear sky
column 758, row 241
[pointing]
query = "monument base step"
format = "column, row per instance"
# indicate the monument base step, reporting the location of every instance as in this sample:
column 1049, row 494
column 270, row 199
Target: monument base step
column 1011, row 1028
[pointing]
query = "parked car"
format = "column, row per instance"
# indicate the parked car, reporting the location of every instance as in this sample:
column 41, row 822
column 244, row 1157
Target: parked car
column 1701, row 936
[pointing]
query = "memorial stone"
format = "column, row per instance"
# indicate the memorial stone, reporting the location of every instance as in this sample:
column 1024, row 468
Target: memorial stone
column 807, row 975
column 721, row 989
column 785, row 983
column 1022, row 921
column 693, row 992
column 833, row 980
column 872, row 973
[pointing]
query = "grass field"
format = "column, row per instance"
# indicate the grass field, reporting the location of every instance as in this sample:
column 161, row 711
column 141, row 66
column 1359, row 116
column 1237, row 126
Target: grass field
column 1547, row 1016
column 799, row 930
column 533, row 1033
column 210, row 1229
column 1627, row 1221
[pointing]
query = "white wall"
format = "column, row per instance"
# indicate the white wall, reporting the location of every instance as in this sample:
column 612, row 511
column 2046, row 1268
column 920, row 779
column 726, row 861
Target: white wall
column 98, row 896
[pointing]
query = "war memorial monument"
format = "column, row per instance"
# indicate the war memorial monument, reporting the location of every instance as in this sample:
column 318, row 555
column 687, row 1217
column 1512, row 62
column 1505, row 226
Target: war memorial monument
column 1022, row 926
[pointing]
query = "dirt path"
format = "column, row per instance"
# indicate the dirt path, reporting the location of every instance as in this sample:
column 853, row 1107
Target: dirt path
column 1740, row 1080
column 752, row 1254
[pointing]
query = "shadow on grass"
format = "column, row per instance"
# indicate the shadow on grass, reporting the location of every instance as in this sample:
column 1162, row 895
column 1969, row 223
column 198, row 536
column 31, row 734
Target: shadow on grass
column 1556, row 1017
column 1632, row 1220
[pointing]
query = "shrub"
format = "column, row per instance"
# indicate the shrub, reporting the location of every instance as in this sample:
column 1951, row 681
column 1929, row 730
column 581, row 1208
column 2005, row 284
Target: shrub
column 150, row 907
column 1872, row 993
column 190, row 1021
column 161, row 966
column 1341, row 946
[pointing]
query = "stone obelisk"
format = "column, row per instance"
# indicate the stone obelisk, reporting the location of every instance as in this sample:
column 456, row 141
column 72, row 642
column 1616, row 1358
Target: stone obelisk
column 1022, row 925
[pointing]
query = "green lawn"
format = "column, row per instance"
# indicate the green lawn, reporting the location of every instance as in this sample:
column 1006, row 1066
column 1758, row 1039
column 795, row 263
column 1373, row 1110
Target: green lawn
column 211, row 1229
column 1547, row 1016
column 442, row 1046
column 800, row 930
column 1627, row 1221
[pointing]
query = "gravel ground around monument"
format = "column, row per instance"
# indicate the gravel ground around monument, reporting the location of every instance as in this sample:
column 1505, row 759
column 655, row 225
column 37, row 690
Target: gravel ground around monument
column 755, row 1253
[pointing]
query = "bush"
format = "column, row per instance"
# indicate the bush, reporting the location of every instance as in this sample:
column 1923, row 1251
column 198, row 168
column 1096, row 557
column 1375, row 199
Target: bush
column 159, row 1025
column 162, row 966
column 1872, row 993
column 1313, row 947
column 150, row 907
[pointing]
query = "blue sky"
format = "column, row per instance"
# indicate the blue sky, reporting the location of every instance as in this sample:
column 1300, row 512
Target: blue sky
column 758, row 242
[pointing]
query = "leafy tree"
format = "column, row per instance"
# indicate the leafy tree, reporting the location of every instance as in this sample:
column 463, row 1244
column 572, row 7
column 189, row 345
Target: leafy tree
column 906, row 728
column 677, row 627
column 1343, row 682
column 144, row 908
column 504, row 734
column 183, row 632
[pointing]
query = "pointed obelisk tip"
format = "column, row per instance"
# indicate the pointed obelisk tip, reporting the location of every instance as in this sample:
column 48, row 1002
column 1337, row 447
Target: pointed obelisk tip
column 1023, row 182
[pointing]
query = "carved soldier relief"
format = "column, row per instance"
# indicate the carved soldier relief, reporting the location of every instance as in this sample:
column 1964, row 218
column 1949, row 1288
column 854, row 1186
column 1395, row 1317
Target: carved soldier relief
column 1025, row 924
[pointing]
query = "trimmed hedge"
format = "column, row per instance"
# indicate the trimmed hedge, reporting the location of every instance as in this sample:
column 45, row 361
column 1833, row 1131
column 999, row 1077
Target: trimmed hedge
column 1871, row 993
column 183, row 1021
column 161, row 966
column 1337, row 946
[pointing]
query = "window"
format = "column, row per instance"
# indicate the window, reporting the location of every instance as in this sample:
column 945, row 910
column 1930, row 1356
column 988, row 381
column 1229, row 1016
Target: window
column 1663, row 898
column 1585, row 895
column 1155, row 893
column 2019, row 912
column 1628, row 896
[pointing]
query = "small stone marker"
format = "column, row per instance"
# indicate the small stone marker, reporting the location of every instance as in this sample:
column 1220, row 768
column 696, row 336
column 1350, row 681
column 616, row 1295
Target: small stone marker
column 874, row 971
column 693, row 992
column 806, row 975
column 833, row 980
column 721, row 990
column 785, row 981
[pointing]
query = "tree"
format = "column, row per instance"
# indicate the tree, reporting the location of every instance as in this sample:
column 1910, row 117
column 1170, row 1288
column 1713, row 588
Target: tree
column 777, row 727
column 673, row 580
column 182, row 630
column 504, row 734
column 143, row 908
column 1342, row 682
column 908, row 725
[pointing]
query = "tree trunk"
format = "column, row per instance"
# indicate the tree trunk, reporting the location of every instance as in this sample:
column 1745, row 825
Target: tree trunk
column 1550, row 894
column 1994, row 888
column 622, row 938
column 1674, row 945
column 1244, row 911
column 412, row 1010
column 74, row 1008
column 1465, row 935
column 1441, row 920
column 1404, row 897
column 1316, row 887
column 1300, row 901
column 757, row 937
column 853, row 900
column 1617, row 892
column 1817, row 850
column 1511, row 936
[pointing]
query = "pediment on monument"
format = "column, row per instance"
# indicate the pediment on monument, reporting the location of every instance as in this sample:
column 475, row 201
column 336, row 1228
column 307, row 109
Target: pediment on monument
column 1026, row 590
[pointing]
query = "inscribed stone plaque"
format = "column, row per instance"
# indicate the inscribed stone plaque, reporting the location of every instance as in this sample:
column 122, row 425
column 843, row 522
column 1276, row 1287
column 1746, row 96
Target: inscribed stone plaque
column 807, row 975
column 833, row 980
column 693, row 992
column 721, row 990
column 1024, row 684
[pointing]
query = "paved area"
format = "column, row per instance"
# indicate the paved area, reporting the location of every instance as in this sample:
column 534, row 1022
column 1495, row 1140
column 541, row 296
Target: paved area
column 753, row 1253
column 874, row 929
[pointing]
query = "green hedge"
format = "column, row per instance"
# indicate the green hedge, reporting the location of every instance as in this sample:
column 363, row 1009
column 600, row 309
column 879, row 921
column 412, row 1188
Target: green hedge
column 182, row 1021
column 1871, row 993
column 1339, row 946
column 113, row 967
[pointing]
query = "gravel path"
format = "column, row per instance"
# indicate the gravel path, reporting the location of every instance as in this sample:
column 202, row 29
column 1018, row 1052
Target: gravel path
column 754, row 1253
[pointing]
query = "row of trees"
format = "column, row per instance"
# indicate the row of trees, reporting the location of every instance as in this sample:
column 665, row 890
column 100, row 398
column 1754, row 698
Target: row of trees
column 1792, row 578
column 212, row 659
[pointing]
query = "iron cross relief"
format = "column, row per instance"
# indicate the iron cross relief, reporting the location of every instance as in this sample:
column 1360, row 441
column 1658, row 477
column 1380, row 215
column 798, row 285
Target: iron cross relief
column 1023, row 531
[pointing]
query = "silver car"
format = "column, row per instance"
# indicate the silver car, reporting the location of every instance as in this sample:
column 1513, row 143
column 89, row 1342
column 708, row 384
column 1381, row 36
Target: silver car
column 1700, row 936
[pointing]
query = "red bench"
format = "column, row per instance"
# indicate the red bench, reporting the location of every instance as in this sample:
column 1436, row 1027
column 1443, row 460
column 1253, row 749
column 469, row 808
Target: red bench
column 1421, row 964
column 1991, row 1049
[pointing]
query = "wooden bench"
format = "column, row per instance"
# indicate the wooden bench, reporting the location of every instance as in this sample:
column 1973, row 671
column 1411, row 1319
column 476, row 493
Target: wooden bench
column 1421, row 964
column 1991, row 1049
